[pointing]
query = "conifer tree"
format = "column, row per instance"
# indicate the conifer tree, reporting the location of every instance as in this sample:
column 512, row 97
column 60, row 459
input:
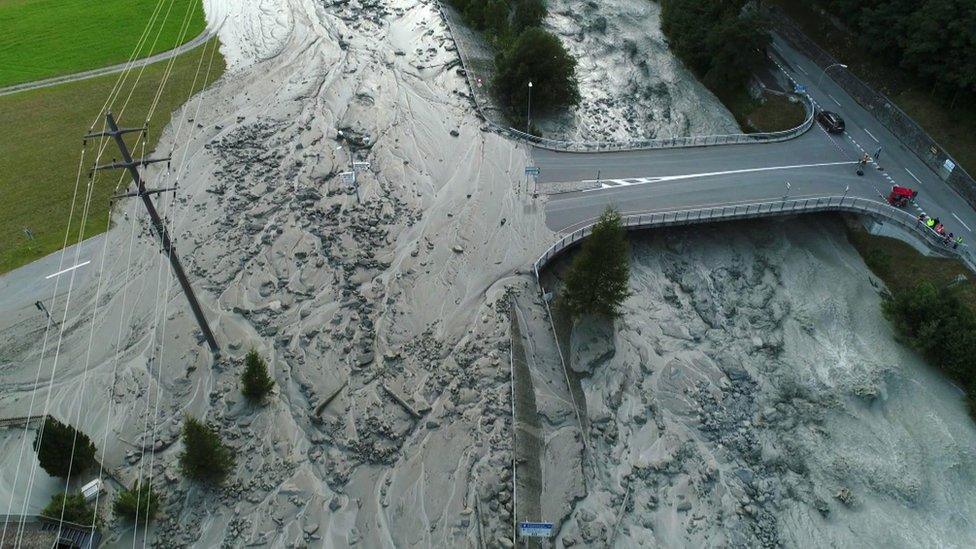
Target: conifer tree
column 597, row 280
column 204, row 457
column 255, row 381
column 53, row 444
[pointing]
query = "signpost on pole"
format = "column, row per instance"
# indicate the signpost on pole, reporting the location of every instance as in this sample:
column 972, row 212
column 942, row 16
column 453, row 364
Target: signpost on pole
column 534, row 172
column 535, row 529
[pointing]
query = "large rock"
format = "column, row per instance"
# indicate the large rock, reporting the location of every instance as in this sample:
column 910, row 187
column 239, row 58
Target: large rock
column 591, row 344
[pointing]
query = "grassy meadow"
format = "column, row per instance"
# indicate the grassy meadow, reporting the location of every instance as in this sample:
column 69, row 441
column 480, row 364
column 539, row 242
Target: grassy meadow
column 44, row 38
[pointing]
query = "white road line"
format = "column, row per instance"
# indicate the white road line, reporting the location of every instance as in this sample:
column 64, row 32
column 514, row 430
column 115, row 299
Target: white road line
column 963, row 222
column 606, row 183
column 913, row 176
column 66, row 270
column 835, row 101
column 802, row 70
column 867, row 131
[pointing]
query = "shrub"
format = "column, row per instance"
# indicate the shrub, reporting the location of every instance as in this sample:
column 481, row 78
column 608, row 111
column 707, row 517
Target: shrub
column 597, row 280
column 539, row 57
column 141, row 500
column 204, row 457
column 53, row 444
column 75, row 508
column 255, row 381
column 528, row 13
column 937, row 323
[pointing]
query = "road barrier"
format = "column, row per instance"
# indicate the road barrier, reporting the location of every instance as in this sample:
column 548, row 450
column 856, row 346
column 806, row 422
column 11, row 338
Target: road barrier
column 708, row 214
column 479, row 95
column 882, row 108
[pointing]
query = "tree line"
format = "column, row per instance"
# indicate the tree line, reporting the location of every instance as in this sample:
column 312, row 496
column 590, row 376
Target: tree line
column 933, row 39
column 937, row 323
column 526, row 53
column 721, row 41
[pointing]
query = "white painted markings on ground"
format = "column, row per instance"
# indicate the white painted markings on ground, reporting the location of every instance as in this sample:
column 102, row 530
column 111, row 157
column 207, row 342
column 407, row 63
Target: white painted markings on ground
column 50, row 276
column 867, row 131
column 913, row 176
column 612, row 183
column 833, row 99
column 961, row 221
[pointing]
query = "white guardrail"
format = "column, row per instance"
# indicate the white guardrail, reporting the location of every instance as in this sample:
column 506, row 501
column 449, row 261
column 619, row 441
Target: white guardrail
column 787, row 206
column 628, row 145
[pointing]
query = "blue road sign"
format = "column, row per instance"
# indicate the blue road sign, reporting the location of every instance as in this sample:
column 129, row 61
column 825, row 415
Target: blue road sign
column 535, row 529
column 532, row 170
column 800, row 88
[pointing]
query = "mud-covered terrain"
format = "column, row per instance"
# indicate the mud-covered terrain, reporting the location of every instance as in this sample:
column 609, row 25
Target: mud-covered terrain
column 752, row 394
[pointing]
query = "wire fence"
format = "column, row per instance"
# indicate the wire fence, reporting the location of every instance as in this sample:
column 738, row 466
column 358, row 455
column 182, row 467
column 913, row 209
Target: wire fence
column 770, row 208
column 882, row 108
column 485, row 109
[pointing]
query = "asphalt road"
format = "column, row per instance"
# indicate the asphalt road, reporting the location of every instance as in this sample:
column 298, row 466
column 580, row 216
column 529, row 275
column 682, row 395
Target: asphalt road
column 814, row 164
column 162, row 56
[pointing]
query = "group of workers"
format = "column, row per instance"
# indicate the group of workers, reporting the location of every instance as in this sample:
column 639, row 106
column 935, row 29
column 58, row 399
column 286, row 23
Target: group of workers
column 936, row 226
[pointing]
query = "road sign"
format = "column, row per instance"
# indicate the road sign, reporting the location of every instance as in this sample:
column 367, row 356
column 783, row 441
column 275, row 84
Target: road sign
column 532, row 170
column 348, row 178
column 535, row 529
column 360, row 166
column 800, row 88
column 949, row 165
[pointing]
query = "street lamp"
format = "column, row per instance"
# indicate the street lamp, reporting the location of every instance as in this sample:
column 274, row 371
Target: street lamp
column 528, row 115
column 841, row 65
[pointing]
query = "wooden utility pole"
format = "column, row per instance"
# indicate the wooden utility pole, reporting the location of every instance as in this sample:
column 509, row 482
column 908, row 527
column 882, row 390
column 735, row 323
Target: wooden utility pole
column 157, row 223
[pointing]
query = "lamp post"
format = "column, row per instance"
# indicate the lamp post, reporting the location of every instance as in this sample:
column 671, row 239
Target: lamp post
column 528, row 114
column 841, row 65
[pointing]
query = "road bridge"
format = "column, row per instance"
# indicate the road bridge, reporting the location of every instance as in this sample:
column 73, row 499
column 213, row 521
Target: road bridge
column 813, row 165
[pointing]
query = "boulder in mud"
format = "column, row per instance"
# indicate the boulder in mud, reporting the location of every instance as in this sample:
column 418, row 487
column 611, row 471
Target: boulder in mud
column 591, row 344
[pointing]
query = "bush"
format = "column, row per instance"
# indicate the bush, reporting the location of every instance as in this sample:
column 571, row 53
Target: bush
column 539, row 57
column 938, row 324
column 255, row 381
column 597, row 280
column 204, row 457
column 53, row 444
column 528, row 13
column 141, row 500
column 75, row 509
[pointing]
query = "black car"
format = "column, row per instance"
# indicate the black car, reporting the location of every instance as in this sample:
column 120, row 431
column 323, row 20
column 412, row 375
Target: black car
column 831, row 121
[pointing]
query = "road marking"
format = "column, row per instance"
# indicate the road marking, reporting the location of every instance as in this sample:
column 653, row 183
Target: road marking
column 66, row 270
column 802, row 70
column 963, row 222
column 835, row 101
column 913, row 176
column 612, row 183
column 867, row 131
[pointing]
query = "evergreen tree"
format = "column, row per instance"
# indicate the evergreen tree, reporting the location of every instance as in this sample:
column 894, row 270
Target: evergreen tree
column 539, row 57
column 53, row 444
column 204, row 457
column 528, row 13
column 141, row 500
column 75, row 509
column 255, row 381
column 597, row 280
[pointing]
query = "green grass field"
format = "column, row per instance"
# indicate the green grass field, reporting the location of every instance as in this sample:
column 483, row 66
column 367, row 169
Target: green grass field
column 41, row 147
column 44, row 38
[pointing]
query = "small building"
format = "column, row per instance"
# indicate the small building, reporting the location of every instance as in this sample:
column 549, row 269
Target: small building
column 37, row 532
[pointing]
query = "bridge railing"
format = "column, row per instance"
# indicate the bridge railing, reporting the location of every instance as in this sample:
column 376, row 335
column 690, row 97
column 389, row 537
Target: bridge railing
column 480, row 96
column 671, row 142
column 786, row 206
